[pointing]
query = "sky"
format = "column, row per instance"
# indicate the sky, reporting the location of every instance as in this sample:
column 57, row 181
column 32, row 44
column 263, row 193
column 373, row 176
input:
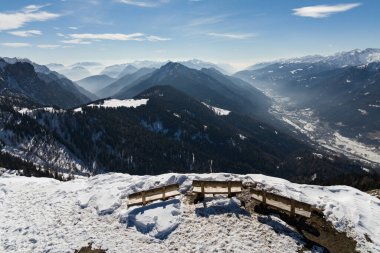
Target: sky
column 237, row 32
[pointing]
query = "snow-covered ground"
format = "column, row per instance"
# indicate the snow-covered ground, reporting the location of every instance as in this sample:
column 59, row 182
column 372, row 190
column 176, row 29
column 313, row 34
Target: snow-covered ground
column 116, row 103
column 45, row 215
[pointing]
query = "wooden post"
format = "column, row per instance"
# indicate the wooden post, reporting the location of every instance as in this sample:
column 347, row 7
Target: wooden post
column 203, row 189
column 143, row 197
column 292, row 208
column 163, row 193
column 229, row 189
column 264, row 197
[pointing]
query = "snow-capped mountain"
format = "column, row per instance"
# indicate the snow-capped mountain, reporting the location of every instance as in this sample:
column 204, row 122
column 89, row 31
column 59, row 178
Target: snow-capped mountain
column 355, row 57
column 198, row 64
column 49, row 215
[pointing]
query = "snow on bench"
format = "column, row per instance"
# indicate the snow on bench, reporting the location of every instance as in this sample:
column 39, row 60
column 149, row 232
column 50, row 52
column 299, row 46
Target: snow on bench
column 160, row 193
column 217, row 187
column 288, row 205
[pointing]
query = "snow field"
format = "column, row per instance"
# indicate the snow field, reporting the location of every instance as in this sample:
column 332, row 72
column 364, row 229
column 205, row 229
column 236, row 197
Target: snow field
column 45, row 215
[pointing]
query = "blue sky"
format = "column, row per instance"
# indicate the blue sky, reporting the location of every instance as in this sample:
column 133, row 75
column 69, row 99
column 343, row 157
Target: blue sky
column 239, row 32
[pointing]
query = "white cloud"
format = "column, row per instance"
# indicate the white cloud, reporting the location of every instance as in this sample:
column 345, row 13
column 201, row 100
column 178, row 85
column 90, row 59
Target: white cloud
column 73, row 28
column 27, row 33
column 323, row 11
column 156, row 38
column 48, row 46
column 206, row 20
column 144, row 3
column 15, row 44
column 235, row 36
column 87, row 38
column 76, row 41
column 108, row 36
column 33, row 8
column 60, row 35
column 30, row 13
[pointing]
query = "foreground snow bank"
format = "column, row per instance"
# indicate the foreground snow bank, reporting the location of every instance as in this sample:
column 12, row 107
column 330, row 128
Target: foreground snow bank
column 41, row 215
column 158, row 219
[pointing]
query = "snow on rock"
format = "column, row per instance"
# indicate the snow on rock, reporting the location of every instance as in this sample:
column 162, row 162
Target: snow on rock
column 45, row 215
column 217, row 111
column 363, row 112
column 295, row 71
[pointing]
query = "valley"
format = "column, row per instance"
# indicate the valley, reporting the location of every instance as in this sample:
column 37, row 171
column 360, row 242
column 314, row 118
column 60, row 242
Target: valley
column 320, row 133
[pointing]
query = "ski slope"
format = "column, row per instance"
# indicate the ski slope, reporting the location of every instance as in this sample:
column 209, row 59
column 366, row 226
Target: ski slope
column 45, row 215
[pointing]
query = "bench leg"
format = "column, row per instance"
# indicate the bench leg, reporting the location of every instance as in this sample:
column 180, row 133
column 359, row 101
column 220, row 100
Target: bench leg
column 199, row 198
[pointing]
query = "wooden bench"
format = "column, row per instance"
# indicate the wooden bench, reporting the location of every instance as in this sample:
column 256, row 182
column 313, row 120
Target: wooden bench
column 160, row 193
column 288, row 205
column 231, row 188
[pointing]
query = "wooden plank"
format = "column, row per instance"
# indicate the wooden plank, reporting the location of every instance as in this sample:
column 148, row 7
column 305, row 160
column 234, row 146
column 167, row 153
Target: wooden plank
column 217, row 187
column 160, row 193
column 289, row 205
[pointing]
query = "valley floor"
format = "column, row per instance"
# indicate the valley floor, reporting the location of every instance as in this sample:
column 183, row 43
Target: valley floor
column 306, row 122
column 45, row 215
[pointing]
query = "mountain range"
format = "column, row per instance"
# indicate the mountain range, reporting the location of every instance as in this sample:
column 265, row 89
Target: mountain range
column 339, row 92
column 82, row 70
column 45, row 87
column 181, row 119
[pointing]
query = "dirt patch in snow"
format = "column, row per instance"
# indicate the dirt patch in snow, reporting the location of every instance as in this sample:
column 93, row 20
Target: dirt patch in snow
column 89, row 249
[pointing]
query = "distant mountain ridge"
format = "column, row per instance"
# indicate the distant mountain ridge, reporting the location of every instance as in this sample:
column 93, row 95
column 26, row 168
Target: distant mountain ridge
column 354, row 57
column 124, row 82
column 209, row 86
column 95, row 83
column 44, row 87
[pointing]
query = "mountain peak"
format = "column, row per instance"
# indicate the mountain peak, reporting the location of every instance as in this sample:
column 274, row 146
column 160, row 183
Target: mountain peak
column 171, row 68
column 171, row 65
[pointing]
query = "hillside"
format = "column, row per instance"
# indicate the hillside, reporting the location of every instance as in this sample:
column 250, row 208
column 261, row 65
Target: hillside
column 48, row 215
column 208, row 86
column 178, row 133
column 45, row 88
